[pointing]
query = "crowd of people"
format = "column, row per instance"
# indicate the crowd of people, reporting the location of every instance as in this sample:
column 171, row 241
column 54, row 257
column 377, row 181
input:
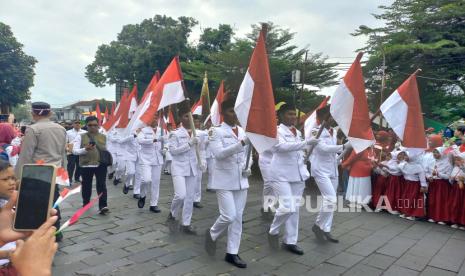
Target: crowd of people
column 412, row 183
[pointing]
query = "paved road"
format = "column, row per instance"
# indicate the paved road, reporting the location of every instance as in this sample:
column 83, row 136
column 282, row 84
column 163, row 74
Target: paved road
column 132, row 241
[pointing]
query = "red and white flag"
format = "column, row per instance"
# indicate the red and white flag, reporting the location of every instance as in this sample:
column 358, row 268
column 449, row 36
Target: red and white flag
column 215, row 110
column 125, row 108
column 402, row 111
column 62, row 177
column 115, row 117
column 168, row 90
column 255, row 107
column 196, row 109
column 66, row 193
column 349, row 108
column 311, row 120
column 133, row 102
column 98, row 113
column 105, row 115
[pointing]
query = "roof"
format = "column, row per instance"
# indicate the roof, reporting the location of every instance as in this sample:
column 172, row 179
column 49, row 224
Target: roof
column 88, row 103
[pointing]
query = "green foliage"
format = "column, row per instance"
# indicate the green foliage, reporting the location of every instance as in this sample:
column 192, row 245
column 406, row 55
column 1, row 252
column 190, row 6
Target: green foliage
column 16, row 69
column 141, row 49
column 426, row 34
column 22, row 112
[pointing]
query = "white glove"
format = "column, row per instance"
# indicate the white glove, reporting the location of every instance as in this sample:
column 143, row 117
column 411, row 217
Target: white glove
column 246, row 141
column 312, row 141
column 347, row 145
column 246, row 173
column 203, row 166
column 193, row 141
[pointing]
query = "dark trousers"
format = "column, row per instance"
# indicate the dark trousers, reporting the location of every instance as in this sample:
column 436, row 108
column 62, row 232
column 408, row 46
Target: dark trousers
column 56, row 195
column 73, row 167
column 100, row 174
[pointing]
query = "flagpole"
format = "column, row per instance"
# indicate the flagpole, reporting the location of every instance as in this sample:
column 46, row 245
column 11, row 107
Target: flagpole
column 304, row 70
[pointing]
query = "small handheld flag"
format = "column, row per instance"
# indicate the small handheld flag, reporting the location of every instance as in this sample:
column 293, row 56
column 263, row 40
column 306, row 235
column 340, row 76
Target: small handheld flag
column 77, row 215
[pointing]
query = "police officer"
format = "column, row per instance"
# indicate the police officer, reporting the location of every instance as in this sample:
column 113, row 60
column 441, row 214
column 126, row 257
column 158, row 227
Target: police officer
column 44, row 140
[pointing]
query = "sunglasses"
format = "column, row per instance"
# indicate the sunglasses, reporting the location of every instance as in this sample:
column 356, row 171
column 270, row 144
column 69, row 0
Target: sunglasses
column 92, row 125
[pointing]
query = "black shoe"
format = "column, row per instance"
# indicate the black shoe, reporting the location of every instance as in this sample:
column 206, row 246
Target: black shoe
column 136, row 196
column 198, row 205
column 330, row 237
column 188, row 229
column 116, row 181
column 210, row 244
column 273, row 240
column 293, row 248
column 234, row 259
column 318, row 232
column 125, row 190
column 59, row 237
column 154, row 209
column 110, row 175
column 104, row 211
column 141, row 202
column 210, row 190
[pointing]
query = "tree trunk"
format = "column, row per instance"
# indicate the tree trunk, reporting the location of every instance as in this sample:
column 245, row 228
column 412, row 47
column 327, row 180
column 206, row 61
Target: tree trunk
column 4, row 108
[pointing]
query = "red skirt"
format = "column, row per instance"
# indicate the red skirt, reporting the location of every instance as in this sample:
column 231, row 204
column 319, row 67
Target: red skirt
column 457, row 205
column 413, row 201
column 394, row 191
column 438, row 200
column 379, row 189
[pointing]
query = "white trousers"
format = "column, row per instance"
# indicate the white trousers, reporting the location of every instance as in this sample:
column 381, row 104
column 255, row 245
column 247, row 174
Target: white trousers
column 210, row 163
column 184, row 188
column 129, row 172
column 150, row 179
column 198, row 186
column 112, row 168
column 137, row 178
column 267, row 192
column 328, row 190
column 289, row 198
column 231, row 205
column 120, row 167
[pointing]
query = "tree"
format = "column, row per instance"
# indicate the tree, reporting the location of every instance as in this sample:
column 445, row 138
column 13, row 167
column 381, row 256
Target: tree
column 16, row 70
column 426, row 34
column 140, row 49
column 230, row 64
column 22, row 112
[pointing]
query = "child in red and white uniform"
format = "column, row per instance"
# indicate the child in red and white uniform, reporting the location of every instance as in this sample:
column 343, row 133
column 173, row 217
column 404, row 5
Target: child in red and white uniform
column 457, row 192
column 438, row 173
column 415, row 187
column 381, row 182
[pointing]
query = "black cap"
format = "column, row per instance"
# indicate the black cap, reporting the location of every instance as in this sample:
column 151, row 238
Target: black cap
column 285, row 107
column 226, row 104
column 40, row 108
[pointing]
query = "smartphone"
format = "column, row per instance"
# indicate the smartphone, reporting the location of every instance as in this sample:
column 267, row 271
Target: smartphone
column 92, row 143
column 35, row 196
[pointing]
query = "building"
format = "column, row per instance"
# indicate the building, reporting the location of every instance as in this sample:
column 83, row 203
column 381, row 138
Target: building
column 75, row 111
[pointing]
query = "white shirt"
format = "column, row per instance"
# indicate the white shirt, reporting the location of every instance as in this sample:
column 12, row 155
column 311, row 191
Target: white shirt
column 72, row 133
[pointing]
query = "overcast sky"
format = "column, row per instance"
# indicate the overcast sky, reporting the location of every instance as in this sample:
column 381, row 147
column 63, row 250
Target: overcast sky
column 64, row 35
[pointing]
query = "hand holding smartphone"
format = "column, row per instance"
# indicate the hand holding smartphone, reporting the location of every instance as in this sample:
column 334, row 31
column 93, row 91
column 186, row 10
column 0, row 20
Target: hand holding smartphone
column 35, row 197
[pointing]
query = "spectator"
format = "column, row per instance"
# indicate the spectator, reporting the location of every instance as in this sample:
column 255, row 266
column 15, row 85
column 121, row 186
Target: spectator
column 8, row 151
column 88, row 146
column 73, row 159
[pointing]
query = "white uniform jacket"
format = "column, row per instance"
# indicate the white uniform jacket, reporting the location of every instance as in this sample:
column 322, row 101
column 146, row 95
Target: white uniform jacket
column 128, row 148
column 324, row 155
column 264, row 162
column 184, row 159
column 150, row 152
column 230, row 158
column 287, row 163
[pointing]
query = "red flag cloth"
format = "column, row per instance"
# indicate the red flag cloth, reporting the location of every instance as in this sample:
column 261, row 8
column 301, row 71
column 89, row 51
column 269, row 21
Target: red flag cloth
column 113, row 106
column 114, row 120
column 255, row 106
column 151, row 86
column 311, row 120
column 126, row 108
column 349, row 108
column 98, row 113
column 402, row 111
column 84, row 209
column 168, row 90
column 215, row 112
column 196, row 109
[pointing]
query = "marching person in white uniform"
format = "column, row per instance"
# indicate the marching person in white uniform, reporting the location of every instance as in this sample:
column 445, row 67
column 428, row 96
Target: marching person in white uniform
column 129, row 148
column 230, row 180
column 209, row 155
column 184, row 170
column 112, row 146
column 119, row 153
column 203, row 139
column 288, row 176
column 150, row 161
column 324, row 169
column 264, row 162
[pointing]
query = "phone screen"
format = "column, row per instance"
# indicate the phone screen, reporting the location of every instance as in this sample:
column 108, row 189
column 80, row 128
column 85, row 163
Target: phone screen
column 34, row 196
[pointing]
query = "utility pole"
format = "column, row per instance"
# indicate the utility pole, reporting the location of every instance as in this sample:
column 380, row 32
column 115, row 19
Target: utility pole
column 304, row 71
column 383, row 85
